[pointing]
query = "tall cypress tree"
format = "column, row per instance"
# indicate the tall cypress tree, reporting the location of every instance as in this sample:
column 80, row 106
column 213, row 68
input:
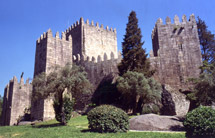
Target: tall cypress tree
column 134, row 56
column 207, row 41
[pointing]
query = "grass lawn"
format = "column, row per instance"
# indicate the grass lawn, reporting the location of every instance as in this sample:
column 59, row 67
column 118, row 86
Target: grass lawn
column 77, row 127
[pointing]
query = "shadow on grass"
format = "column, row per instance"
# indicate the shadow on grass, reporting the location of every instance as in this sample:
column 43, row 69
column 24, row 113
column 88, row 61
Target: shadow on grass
column 87, row 130
column 177, row 128
column 91, row 131
column 46, row 126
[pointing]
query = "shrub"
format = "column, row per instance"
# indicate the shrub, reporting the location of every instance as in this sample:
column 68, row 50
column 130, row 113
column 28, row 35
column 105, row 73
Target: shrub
column 200, row 123
column 150, row 108
column 107, row 118
column 68, row 106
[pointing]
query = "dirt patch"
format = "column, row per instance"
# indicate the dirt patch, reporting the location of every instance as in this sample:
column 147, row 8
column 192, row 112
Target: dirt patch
column 16, row 134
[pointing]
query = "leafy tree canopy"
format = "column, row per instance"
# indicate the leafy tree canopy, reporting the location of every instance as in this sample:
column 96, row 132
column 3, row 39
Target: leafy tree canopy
column 70, row 79
column 135, row 87
column 204, row 90
column 207, row 41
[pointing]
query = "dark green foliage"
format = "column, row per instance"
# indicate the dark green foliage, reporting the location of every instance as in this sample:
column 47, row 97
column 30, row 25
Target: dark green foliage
column 107, row 118
column 138, row 90
column 207, row 41
column 106, row 93
column 200, row 123
column 150, row 108
column 134, row 56
column 69, row 79
column 68, row 107
column 1, row 104
column 204, row 90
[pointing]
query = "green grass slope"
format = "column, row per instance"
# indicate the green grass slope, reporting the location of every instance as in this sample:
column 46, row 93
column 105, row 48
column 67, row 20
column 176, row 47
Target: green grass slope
column 77, row 128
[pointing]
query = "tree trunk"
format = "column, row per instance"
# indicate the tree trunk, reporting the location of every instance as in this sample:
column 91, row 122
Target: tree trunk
column 136, row 103
column 63, row 118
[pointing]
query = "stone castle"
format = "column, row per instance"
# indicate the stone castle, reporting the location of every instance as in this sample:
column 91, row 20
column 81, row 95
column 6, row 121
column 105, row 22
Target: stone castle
column 176, row 56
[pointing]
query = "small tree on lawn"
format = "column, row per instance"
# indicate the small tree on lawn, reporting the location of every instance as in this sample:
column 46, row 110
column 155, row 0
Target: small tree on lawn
column 72, row 79
column 135, row 86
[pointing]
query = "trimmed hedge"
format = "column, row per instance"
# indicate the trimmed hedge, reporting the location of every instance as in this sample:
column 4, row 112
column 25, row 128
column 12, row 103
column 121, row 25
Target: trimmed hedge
column 108, row 118
column 200, row 123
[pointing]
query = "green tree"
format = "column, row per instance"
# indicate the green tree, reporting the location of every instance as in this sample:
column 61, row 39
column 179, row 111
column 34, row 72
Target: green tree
column 207, row 41
column 72, row 79
column 204, row 87
column 134, row 56
column 137, row 90
column 1, row 104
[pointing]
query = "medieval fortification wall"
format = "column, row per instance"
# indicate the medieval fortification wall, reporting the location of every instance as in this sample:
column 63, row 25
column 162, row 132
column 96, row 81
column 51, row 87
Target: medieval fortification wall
column 83, row 41
column 17, row 98
column 176, row 54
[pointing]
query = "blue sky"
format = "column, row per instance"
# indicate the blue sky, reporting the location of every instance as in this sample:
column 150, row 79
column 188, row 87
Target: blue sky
column 23, row 21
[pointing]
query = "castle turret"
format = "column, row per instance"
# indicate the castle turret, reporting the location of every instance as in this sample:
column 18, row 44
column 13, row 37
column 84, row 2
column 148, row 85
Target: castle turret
column 176, row 51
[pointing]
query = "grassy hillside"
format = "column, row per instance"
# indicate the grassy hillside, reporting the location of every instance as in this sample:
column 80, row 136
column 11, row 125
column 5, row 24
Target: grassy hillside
column 77, row 127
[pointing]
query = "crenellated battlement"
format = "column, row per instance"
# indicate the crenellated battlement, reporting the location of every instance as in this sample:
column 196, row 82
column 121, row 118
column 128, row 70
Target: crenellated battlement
column 176, row 22
column 100, row 58
column 21, row 82
column 17, row 98
column 49, row 34
column 176, row 51
column 82, row 22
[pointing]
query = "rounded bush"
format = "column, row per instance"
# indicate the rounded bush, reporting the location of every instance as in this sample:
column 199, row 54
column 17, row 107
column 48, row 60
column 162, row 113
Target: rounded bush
column 200, row 123
column 107, row 118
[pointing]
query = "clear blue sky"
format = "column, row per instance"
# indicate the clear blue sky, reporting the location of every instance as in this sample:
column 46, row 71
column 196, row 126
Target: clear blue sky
column 23, row 21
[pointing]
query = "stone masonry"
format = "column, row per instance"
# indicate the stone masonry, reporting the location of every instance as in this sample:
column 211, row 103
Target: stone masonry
column 176, row 57
column 91, row 46
column 176, row 54
column 17, row 98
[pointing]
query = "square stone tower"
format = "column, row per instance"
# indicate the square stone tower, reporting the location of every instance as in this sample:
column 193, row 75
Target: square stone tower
column 176, row 54
column 92, row 41
column 17, row 99
column 85, row 41
column 50, row 51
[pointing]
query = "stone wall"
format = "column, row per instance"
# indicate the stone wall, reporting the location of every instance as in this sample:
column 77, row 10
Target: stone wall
column 97, row 69
column 176, row 54
column 17, row 98
column 82, row 40
column 92, row 40
column 50, row 51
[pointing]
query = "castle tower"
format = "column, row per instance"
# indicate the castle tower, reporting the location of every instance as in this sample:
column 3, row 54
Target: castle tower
column 92, row 40
column 81, row 40
column 17, row 98
column 50, row 51
column 176, row 54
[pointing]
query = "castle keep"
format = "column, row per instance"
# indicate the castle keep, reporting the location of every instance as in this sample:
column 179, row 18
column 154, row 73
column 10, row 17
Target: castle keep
column 176, row 54
column 93, row 47
column 176, row 57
